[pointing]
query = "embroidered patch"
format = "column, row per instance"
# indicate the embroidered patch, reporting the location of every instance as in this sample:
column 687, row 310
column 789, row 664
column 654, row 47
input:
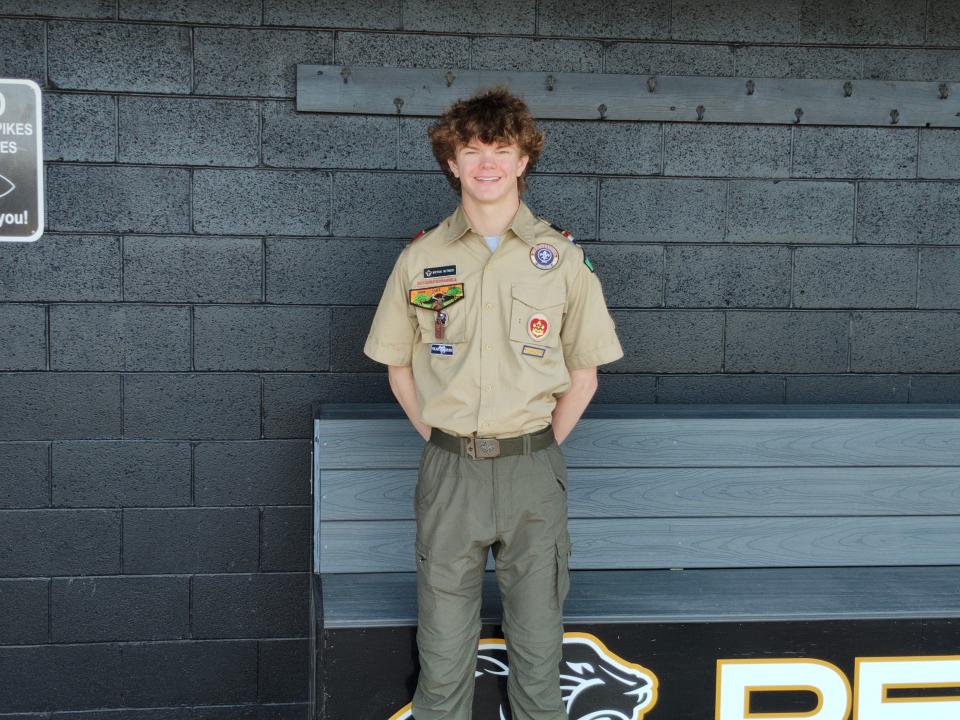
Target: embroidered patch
column 440, row 349
column 443, row 271
column 544, row 256
column 537, row 326
column 586, row 261
column 436, row 298
column 435, row 282
column 565, row 233
column 533, row 351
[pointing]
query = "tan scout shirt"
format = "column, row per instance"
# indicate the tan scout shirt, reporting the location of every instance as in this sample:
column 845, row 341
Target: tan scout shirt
column 509, row 340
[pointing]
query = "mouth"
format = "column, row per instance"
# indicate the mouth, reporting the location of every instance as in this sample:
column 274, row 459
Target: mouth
column 488, row 180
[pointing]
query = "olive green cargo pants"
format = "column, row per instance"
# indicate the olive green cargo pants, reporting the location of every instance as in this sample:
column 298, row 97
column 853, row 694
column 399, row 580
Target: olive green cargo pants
column 516, row 504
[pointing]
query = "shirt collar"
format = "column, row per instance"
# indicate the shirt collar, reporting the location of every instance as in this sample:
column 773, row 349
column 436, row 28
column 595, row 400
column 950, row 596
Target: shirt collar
column 522, row 224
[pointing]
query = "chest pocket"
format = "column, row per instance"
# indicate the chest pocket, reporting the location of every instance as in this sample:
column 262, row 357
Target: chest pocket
column 536, row 313
column 455, row 331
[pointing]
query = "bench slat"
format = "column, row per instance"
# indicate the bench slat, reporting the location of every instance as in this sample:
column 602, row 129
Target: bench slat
column 684, row 492
column 387, row 545
column 684, row 442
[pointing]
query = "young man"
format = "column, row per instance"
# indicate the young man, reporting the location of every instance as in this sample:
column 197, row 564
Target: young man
column 492, row 324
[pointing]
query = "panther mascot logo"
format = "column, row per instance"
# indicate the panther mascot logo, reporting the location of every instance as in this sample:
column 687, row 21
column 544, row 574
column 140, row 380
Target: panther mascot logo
column 596, row 683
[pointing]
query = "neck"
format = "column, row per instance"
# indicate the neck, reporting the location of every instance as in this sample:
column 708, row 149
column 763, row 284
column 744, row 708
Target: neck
column 491, row 219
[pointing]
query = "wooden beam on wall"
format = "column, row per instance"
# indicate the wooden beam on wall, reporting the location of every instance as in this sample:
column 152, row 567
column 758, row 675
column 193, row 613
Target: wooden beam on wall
column 655, row 98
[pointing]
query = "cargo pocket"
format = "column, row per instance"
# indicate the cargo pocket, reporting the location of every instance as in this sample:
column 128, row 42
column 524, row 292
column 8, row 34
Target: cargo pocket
column 536, row 313
column 564, row 549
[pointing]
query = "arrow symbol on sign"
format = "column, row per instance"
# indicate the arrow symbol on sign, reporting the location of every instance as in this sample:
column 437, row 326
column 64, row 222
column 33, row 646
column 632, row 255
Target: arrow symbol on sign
column 6, row 186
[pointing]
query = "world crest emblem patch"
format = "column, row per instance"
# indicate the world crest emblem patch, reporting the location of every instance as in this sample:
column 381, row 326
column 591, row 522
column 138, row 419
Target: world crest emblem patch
column 544, row 256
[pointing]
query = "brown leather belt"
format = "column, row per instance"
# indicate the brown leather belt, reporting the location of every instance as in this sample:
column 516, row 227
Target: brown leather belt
column 483, row 448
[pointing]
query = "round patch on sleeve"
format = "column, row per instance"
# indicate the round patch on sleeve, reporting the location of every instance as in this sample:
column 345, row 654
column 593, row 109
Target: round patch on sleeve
column 544, row 255
column 537, row 326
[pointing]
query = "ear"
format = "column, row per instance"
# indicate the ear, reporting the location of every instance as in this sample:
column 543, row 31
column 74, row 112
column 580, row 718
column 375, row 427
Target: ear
column 452, row 164
column 522, row 165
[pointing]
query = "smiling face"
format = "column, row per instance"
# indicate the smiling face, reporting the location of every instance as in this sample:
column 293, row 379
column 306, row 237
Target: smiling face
column 488, row 172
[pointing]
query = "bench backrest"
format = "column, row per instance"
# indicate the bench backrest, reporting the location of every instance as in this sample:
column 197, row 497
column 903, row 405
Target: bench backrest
column 680, row 487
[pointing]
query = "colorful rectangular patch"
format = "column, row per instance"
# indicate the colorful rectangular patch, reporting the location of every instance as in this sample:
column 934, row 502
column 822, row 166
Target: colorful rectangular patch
column 438, row 272
column 440, row 349
column 533, row 351
column 437, row 297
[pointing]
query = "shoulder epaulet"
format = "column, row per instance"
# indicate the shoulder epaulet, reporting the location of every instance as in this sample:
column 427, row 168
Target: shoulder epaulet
column 566, row 233
column 424, row 232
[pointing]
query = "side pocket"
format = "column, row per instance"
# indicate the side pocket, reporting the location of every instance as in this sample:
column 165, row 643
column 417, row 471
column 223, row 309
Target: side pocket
column 563, row 570
column 424, row 595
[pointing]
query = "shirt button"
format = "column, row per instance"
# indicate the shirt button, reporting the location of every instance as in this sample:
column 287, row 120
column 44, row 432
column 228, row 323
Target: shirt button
column 489, row 306
column 489, row 347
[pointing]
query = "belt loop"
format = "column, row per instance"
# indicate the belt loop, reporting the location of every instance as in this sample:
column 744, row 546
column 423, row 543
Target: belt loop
column 526, row 444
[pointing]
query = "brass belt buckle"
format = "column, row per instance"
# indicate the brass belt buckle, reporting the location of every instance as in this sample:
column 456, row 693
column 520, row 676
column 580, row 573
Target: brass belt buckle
column 483, row 448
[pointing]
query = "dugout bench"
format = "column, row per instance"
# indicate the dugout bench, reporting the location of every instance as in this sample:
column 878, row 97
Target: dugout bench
column 709, row 543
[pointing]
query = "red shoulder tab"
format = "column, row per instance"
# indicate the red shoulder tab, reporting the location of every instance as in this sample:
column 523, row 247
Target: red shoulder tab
column 565, row 233
column 423, row 232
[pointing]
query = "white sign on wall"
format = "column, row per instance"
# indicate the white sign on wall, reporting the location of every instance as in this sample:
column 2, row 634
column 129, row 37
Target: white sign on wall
column 21, row 161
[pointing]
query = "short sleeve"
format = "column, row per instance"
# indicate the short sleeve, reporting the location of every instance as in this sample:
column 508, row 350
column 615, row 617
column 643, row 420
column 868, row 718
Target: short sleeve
column 588, row 335
column 393, row 331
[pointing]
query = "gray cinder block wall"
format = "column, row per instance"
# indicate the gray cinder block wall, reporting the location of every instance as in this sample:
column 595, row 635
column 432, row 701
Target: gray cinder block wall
column 213, row 257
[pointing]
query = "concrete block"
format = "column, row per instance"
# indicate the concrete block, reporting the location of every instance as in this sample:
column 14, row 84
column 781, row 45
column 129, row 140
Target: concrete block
column 348, row 332
column 230, row 337
column 237, row 12
column 865, row 22
column 54, row 406
column 569, row 202
column 189, row 673
column 191, row 269
column 59, row 542
column 790, row 211
column 827, row 389
column 89, row 677
column 726, row 150
column 263, row 472
column 118, row 199
column 906, row 341
column 288, row 398
column 67, row 124
column 22, row 50
column 284, row 670
column 120, row 337
column 518, row 17
column 324, row 271
column 248, row 606
column 717, row 276
column 646, row 19
column 124, row 473
column 735, row 20
column 24, row 332
column 939, row 278
column 372, row 14
column 286, row 539
column 415, row 152
column 631, row 275
column 314, row 140
column 720, row 389
column 119, row 56
column 221, row 406
column 657, row 210
column 912, row 64
column 258, row 63
column 389, row 205
column 859, row 152
column 940, row 153
column 98, row 609
column 861, row 277
column 909, row 213
column 184, row 131
column 786, row 342
column 190, row 540
column 90, row 9
column 23, row 612
column 943, row 23
column 625, row 389
column 802, row 63
column 597, row 148
column 61, row 267
column 668, row 341
column 398, row 50
column 668, row 59
column 23, row 479
column 261, row 202
column 536, row 54
column 935, row 389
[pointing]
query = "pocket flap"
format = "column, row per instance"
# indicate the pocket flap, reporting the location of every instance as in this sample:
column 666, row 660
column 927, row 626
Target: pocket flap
column 539, row 296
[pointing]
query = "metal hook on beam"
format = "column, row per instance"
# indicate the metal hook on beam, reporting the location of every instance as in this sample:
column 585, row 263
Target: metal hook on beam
column 651, row 84
column 944, row 91
column 450, row 77
column 799, row 114
column 602, row 109
column 751, row 86
column 398, row 102
column 847, row 89
column 700, row 112
column 894, row 116
column 551, row 82
column 345, row 74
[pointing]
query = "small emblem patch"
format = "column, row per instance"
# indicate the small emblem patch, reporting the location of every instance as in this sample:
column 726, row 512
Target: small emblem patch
column 544, row 256
column 440, row 349
column 537, row 326
column 443, row 271
column 533, row 351
column 586, row 261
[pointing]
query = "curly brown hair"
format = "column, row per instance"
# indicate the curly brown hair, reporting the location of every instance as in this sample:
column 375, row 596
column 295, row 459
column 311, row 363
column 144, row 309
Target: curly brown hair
column 494, row 115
